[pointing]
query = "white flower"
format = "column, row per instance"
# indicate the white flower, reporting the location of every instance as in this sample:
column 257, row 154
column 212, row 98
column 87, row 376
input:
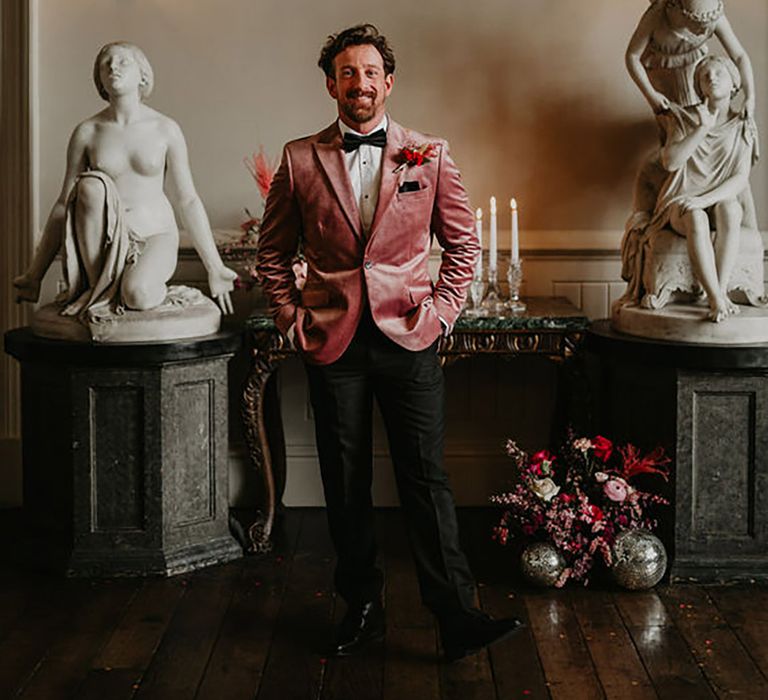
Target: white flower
column 546, row 489
column 583, row 444
column 600, row 477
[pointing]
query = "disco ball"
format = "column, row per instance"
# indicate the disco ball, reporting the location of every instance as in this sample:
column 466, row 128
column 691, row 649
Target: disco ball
column 639, row 560
column 542, row 563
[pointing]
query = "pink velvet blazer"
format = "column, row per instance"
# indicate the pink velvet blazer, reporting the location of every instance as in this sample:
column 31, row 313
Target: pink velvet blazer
column 311, row 202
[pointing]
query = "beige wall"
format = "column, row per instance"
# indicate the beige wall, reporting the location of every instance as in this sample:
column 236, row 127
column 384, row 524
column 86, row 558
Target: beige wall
column 532, row 94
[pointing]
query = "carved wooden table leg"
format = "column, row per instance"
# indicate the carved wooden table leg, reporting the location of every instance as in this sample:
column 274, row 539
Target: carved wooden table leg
column 267, row 349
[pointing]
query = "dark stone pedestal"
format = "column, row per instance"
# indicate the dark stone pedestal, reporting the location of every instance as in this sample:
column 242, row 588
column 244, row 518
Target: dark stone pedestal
column 125, row 453
column 708, row 406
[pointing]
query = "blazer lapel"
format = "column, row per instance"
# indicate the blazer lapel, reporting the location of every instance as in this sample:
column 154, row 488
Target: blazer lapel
column 396, row 137
column 331, row 158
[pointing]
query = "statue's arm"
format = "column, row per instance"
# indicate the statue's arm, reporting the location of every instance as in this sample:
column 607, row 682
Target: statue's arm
column 739, row 56
column 182, row 193
column 681, row 143
column 28, row 284
column 637, row 45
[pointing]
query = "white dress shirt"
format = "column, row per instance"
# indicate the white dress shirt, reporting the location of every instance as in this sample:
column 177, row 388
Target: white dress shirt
column 364, row 167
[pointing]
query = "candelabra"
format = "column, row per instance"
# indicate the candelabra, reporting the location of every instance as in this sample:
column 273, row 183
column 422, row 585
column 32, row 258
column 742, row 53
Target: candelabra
column 492, row 303
column 515, row 279
column 476, row 289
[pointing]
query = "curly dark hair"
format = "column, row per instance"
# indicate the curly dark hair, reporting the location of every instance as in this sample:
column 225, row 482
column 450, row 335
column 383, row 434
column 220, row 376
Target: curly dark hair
column 354, row 36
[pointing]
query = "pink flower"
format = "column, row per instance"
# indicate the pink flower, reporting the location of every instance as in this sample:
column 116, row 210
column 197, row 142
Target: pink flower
column 583, row 444
column 616, row 489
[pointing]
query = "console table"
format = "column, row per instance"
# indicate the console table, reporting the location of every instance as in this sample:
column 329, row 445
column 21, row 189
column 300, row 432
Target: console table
column 551, row 327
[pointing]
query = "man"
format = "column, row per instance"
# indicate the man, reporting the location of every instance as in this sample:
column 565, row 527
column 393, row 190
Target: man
column 362, row 199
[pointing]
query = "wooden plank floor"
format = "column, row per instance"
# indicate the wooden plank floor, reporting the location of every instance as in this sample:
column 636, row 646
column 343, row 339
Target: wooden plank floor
column 260, row 628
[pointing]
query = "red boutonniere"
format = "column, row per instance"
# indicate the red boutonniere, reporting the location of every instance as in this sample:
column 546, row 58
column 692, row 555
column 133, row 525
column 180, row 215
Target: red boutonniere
column 413, row 155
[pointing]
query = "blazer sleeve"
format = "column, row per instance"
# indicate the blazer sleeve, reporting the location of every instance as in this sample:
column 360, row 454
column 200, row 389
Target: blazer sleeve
column 279, row 237
column 453, row 225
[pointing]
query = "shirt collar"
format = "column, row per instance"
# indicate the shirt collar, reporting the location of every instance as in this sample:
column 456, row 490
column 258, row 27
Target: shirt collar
column 383, row 124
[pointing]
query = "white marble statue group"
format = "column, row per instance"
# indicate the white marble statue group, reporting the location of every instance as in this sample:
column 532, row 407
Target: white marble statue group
column 692, row 232
column 693, row 235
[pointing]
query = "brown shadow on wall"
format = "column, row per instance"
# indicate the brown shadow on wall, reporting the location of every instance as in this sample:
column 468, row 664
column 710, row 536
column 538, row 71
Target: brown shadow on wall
column 520, row 128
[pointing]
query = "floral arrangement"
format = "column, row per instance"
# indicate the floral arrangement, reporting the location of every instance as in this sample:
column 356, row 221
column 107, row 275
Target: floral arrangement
column 579, row 500
column 413, row 155
column 262, row 171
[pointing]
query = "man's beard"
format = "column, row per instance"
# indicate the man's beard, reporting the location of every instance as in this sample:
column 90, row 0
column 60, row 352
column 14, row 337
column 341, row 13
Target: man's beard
column 358, row 113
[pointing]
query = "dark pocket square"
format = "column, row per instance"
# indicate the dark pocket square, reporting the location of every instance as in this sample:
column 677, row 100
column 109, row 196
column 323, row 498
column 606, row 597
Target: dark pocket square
column 410, row 186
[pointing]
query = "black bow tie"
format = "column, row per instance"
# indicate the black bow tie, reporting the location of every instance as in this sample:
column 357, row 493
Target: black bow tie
column 352, row 141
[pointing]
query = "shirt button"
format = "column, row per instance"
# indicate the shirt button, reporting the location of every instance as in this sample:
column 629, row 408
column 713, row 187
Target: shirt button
column 368, row 265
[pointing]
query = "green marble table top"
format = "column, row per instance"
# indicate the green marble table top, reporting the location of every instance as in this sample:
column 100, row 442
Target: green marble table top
column 543, row 313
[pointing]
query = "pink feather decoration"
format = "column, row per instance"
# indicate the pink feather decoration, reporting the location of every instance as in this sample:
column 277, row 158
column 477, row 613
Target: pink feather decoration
column 261, row 170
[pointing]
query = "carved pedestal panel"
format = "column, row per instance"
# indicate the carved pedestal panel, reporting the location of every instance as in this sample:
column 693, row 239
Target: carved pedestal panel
column 708, row 406
column 722, row 475
column 125, row 452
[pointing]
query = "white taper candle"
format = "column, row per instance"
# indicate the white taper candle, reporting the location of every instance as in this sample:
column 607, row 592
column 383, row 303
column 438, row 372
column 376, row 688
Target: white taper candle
column 515, row 244
column 492, row 242
column 479, row 232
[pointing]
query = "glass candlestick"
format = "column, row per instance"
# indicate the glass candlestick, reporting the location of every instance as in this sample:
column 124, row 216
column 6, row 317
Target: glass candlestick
column 492, row 303
column 515, row 279
column 476, row 289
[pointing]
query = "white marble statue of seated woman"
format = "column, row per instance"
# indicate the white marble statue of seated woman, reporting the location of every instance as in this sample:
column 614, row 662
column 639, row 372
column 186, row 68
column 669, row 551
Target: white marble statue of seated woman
column 708, row 153
column 113, row 218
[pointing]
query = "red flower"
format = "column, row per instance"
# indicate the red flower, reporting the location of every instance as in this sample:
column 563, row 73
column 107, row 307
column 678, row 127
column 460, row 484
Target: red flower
column 595, row 513
column 635, row 464
column 566, row 497
column 603, row 447
column 541, row 463
column 415, row 155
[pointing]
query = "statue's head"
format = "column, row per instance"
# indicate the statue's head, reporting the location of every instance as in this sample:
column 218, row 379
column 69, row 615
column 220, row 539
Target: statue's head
column 719, row 69
column 698, row 12
column 129, row 52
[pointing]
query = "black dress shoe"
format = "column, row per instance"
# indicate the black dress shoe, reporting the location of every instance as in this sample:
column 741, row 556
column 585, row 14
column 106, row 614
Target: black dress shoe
column 362, row 623
column 471, row 631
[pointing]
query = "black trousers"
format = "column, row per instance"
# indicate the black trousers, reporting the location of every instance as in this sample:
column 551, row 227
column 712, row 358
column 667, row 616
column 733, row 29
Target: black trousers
column 409, row 389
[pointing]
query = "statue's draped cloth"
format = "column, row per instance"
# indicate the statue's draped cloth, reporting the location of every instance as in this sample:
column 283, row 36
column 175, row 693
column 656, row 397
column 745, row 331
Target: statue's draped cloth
column 721, row 155
column 120, row 247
